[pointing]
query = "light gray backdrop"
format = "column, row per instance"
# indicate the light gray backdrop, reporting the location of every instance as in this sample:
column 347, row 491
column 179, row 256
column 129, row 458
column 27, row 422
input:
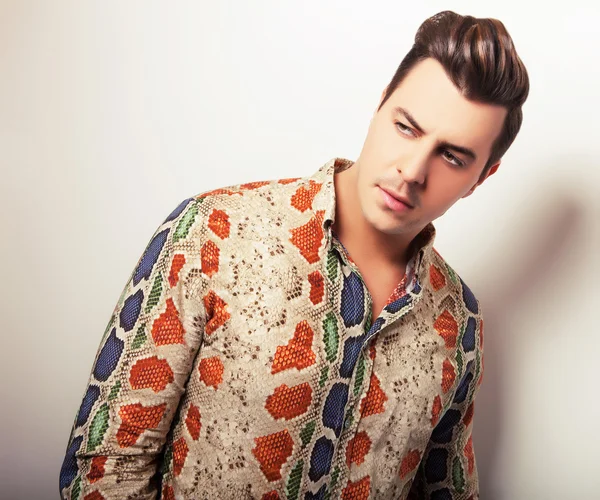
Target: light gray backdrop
column 113, row 112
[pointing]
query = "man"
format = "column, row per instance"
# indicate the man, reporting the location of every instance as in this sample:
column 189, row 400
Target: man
column 302, row 338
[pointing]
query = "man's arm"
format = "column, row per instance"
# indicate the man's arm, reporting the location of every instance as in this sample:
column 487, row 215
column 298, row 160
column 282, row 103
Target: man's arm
column 448, row 470
column 141, row 368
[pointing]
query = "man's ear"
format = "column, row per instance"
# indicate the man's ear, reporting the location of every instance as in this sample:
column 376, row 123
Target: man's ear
column 491, row 171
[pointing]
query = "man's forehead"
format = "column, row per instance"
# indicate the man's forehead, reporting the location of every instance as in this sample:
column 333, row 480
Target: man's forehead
column 429, row 95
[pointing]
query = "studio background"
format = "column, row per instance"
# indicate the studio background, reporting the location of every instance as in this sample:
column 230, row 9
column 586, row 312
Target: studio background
column 111, row 113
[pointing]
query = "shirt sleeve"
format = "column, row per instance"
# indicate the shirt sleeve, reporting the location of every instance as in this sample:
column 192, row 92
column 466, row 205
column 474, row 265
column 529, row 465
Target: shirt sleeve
column 448, row 470
column 141, row 367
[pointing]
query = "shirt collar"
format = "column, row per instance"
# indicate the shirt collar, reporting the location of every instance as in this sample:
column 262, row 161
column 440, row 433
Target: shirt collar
column 324, row 209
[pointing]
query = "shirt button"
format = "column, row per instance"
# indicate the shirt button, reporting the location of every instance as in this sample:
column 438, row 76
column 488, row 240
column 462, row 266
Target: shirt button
column 348, row 420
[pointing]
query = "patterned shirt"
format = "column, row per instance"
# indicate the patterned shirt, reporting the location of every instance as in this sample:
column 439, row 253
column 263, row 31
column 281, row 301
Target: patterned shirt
column 242, row 362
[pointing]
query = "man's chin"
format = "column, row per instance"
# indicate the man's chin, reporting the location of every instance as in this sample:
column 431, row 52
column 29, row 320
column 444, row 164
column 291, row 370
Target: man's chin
column 385, row 225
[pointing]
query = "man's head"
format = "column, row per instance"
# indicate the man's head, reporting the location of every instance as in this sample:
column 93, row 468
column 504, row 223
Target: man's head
column 444, row 122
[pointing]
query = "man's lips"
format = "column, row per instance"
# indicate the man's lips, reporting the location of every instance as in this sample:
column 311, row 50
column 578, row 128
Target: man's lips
column 398, row 197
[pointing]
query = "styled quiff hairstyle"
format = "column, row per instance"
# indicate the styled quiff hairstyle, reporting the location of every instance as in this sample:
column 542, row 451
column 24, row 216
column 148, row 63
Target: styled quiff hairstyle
column 480, row 59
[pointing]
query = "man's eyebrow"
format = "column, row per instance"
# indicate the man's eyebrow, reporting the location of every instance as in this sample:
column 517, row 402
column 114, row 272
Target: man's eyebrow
column 459, row 149
column 444, row 145
column 410, row 118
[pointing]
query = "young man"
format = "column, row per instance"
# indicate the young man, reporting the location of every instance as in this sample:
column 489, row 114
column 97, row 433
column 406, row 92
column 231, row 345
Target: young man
column 302, row 338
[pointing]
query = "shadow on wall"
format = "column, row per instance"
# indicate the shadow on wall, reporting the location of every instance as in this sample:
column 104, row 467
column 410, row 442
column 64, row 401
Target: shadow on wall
column 547, row 231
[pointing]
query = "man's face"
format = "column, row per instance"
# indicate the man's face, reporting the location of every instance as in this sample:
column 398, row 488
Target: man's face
column 427, row 143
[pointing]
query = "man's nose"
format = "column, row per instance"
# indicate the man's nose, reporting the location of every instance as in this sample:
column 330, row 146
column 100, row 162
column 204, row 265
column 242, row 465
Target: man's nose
column 414, row 165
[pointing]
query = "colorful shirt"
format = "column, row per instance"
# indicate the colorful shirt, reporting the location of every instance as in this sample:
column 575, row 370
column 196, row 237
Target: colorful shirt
column 242, row 361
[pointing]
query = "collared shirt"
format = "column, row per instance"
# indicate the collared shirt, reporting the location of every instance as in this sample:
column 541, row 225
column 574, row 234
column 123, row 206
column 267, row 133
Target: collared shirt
column 242, row 361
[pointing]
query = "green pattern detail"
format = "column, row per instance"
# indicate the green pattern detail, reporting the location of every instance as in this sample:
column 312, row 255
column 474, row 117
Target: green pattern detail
column 369, row 322
column 292, row 487
column 452, row 274
column 360, row 374
column 332, row 265
column 98, row 428
column 168, row 456
column 477, row 371
column 155, row 293
column 114, row 391
column 185, row 223
column 76, row 489
column 334, row 478
column 307, row 432
column 140, row 337
column 459, row 363
column 331, row 337
column 324, row 373
column 458, row 476
column 461, row 333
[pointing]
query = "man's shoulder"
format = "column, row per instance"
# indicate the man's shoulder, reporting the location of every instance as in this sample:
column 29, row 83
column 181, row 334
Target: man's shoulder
column 445, row 282
column 254, row 209
column 250, row 195
column 256, row 186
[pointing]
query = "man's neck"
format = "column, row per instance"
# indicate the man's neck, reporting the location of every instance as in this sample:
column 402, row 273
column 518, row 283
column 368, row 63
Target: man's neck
column 362, row 240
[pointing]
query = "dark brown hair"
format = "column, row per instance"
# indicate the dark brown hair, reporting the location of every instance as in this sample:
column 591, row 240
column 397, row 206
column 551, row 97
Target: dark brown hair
column 479, row 57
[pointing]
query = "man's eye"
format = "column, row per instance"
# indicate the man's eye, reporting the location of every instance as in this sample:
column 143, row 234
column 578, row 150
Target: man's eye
column 404, row 129
column 450, row 158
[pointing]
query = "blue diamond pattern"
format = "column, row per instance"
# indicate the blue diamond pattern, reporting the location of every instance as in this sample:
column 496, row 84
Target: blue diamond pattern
column 68, row 471
column 469, row 298
column 436, row 465
column 320, row 459
column 445, row 427
column 131, row 310
column 398, row 304
column 335, row 404
column 109, row 356
column 468, row 341
column 144, row 268
column 353, row 300
column 175, row 213
column 463, row 388
column 352, row 348
column 87, row 404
